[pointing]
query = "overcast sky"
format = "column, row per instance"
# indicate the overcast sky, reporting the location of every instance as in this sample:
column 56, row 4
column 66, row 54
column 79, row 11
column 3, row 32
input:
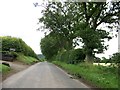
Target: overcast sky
column 19, row 18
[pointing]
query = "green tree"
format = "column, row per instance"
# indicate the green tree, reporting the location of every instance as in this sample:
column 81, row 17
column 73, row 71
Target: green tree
column 49, row 46
column 94, row 14
column 81, row 19
column 59, row 20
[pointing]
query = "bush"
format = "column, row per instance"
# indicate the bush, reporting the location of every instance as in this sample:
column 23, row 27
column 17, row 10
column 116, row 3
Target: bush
column 97, row 60
column 18, row 44
column 72, row 56
column 76, row 56
column 104, row 60
column 116, row 58
column 14, row 54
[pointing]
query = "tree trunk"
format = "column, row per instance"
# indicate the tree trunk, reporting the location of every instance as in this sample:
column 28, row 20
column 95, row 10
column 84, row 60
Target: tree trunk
column 69, row 45
column 89, row 58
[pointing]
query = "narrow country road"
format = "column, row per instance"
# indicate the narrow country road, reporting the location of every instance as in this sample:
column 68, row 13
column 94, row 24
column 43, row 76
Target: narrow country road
column 42, row 75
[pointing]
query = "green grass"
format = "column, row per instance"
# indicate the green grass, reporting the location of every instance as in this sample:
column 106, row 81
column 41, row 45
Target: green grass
column 26, row 59
column 100, row 76
column 4, row 69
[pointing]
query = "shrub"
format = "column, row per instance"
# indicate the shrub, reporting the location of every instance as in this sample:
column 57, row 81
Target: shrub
column 104, row 60
column 72, row 56
column 116, row 58
column 76, row 56
column 18, row 44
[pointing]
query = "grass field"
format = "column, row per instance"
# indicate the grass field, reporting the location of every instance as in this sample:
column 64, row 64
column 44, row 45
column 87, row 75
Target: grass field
column 4, row 69
column 100, row 76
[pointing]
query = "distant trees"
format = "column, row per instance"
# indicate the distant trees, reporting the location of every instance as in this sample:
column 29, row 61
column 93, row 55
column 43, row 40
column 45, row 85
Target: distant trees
column 18, row 44
column 69, row 20
column 116, row 58
column 49, row 46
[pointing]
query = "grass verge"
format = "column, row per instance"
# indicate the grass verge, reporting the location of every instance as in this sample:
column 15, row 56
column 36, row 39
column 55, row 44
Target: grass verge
column 26, row 59
column 100, row 76
column 4, row 69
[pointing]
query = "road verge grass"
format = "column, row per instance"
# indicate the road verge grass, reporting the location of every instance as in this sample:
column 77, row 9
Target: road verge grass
column 100, row 76
column 4, row 69
column 26, row 59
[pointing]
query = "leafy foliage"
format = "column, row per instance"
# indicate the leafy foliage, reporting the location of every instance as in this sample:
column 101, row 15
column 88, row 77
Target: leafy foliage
column 105, row 60
column 49, row 46
column 72, row 56
column 116, row 58
column 18, row 44
column 58, row 20
column 69, row 20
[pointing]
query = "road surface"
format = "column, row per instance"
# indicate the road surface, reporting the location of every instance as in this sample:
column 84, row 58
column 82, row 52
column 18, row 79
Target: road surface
column 42, row 75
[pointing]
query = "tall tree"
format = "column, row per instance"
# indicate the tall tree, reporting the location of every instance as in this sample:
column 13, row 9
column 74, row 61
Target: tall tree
column 94, row 14
column 81, row 19
column 58, row 18
column 49, row 46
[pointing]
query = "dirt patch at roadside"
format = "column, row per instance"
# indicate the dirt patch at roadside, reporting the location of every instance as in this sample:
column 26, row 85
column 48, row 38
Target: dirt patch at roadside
column 15, row 66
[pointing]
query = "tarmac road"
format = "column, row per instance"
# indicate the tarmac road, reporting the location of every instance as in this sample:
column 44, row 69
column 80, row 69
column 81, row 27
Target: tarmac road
column 42, row 75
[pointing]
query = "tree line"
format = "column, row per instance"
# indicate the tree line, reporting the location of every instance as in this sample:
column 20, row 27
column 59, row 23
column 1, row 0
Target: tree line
column 72, row 22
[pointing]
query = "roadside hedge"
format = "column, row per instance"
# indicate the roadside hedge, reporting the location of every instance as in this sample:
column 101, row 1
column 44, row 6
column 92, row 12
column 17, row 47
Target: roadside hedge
column 18, row 44
column 72, row 56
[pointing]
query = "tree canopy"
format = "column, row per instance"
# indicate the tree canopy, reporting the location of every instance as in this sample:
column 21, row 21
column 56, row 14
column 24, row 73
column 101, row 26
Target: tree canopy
column 68, row 20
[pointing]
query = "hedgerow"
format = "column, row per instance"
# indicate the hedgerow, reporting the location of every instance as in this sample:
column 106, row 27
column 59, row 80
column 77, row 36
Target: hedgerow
column 18, row 44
